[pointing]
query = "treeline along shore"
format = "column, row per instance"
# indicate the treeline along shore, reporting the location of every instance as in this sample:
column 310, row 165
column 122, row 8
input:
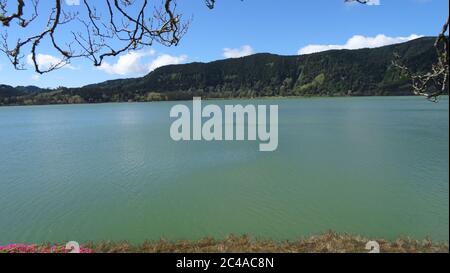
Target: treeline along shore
column 362, row 72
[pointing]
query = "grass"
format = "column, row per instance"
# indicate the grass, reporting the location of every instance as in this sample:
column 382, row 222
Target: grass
column 330, row 242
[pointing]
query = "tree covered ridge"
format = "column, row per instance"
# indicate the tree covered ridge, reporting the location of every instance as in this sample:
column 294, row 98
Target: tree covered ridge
column 363, row 72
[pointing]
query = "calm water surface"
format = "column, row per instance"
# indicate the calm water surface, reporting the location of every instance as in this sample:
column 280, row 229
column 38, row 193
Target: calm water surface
column 371, row 166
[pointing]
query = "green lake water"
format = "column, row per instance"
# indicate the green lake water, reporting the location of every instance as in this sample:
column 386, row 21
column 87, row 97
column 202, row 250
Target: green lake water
column 376, row 166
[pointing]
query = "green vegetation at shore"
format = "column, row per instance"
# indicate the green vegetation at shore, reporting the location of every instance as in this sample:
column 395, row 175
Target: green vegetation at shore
column 330, row 242
column 363, row 72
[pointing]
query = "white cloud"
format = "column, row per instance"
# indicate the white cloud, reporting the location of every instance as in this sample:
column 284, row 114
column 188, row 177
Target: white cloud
column 132, row 63
column 373, row 2
column 244, row 50
column 359, row 41
column 369, row 2
column 166, row 59
column 73, row 2
column 47, row 61
column 36, row 77
column 127, row 64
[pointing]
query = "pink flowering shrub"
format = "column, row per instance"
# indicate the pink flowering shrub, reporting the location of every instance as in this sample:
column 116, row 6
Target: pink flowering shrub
column 23, row 248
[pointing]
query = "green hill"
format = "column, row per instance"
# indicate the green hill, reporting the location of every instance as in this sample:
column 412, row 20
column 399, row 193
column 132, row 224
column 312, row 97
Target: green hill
column 363, row 72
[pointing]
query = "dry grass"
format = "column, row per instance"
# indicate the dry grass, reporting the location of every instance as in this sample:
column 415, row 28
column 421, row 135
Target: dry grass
column 330, row 242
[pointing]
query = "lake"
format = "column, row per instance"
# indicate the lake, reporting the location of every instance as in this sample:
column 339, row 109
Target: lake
column 375, row 166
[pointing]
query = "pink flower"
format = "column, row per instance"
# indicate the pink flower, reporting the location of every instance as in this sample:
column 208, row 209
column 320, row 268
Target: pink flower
column 23, row 248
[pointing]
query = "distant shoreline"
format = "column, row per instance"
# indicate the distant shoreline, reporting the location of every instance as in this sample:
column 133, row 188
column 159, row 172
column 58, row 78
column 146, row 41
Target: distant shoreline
column 220, row 99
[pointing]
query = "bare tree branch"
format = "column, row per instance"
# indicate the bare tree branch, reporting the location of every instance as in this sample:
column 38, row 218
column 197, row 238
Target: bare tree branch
column 210, row 3
column 434, row 83
column 121, row 26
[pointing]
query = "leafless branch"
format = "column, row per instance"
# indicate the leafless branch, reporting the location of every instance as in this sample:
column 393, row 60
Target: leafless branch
column 210, row 3
column 103, row 28
column 434, row 83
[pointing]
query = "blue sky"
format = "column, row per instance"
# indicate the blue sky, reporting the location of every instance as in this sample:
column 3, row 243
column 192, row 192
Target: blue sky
column 236, row 28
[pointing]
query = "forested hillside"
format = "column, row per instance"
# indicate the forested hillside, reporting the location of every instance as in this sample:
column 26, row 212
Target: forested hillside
column 363, row 72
